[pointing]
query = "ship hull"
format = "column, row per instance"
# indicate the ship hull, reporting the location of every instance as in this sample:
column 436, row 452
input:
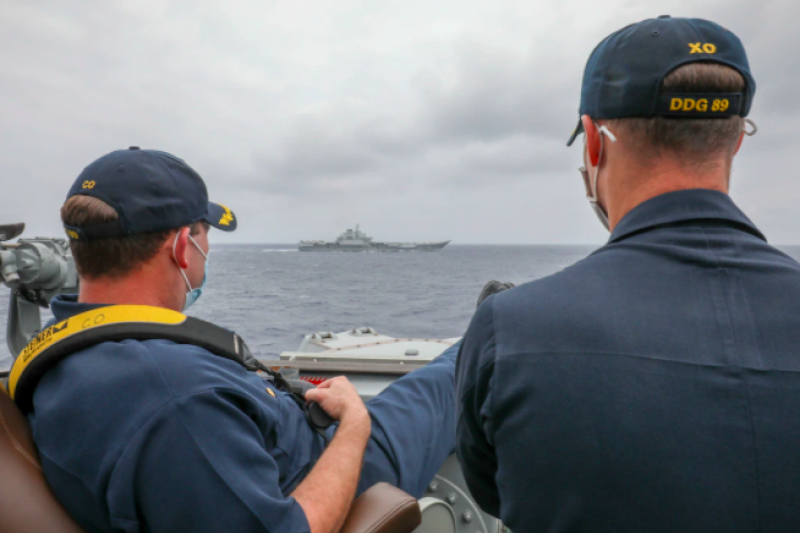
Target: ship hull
column 374, row 247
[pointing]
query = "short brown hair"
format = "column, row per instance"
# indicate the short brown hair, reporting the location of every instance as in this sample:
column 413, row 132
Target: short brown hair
column 693, row 139
column 113, row 257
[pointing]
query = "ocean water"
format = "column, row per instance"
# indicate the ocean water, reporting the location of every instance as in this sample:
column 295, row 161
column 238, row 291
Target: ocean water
column 273, row 295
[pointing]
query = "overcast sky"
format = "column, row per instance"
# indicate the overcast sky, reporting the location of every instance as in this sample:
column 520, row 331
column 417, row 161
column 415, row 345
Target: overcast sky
column 419, row 119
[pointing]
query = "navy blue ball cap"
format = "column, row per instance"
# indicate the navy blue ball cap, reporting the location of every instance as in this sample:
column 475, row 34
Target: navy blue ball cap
column 150, row 191
column 624, row 73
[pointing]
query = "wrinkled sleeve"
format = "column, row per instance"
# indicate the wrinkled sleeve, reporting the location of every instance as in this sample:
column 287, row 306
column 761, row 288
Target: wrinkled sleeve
column 200, row 464
column 474, row 431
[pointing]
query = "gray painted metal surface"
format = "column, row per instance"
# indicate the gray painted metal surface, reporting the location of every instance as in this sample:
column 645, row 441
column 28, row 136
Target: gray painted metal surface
column 372, row 361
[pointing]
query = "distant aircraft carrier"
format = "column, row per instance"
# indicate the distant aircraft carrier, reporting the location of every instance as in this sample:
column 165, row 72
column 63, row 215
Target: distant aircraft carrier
column 357, row 241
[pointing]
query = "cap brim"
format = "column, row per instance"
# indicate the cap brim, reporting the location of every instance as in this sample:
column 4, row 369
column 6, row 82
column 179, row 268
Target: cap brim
column 578, row 130
column 220, row 217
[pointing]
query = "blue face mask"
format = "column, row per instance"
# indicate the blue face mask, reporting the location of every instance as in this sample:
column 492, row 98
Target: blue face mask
column 193, row 294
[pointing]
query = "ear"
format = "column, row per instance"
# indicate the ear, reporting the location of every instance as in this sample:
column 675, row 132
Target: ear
column 181, row 247
column 739, row 144
column 592, row 139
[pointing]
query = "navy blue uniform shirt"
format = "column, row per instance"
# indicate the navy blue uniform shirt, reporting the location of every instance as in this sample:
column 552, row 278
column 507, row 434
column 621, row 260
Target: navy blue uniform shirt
column 652, row 387
column 154, row 436
column 172, row 434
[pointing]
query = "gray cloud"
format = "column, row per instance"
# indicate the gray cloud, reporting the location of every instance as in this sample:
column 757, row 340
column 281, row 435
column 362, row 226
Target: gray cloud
column 443, row 120
column 496, row 94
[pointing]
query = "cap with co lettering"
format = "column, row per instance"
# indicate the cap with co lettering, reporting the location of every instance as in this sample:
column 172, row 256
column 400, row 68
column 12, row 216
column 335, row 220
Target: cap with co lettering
column 150, row 191
column 624, row 73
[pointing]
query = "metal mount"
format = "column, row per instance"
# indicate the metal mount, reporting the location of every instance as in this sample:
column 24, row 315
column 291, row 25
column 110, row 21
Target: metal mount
column 35, row 270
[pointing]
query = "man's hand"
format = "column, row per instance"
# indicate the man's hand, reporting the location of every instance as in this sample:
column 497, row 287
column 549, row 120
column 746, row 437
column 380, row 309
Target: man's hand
column 327, row 492
column 493, row 287
column 339, row 398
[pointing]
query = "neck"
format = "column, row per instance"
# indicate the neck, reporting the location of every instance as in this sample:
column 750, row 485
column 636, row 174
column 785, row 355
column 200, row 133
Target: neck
column 146, row 286
column 629, row 184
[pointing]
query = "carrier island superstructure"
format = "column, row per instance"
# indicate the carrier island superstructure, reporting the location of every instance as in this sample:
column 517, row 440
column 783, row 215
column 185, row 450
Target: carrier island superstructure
column 358, row 241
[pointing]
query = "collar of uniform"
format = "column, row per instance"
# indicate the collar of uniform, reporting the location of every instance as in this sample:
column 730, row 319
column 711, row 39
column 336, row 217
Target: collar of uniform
column 680, row 206
column 64, row 306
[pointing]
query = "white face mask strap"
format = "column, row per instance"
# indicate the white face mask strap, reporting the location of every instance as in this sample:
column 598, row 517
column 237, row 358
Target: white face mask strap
column 175, row 257
column 198, row 247
column 603, row 129
column 748, row 122
column 613, row 138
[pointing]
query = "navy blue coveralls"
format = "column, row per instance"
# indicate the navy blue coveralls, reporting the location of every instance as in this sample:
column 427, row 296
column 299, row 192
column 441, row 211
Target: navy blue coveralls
column 651, row 387
column 155, row 436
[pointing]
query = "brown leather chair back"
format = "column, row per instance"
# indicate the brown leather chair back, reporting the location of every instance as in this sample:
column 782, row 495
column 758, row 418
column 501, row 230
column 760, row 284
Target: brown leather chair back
column 27, row 505
column 383, row 508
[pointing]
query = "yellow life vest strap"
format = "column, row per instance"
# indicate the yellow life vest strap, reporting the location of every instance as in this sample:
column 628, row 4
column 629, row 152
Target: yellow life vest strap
column 113, row 324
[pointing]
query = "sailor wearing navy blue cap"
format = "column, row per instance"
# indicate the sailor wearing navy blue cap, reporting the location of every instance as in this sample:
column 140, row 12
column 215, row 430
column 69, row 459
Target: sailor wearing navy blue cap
column 653, row 386
column 162, row 435
column 150, row 192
